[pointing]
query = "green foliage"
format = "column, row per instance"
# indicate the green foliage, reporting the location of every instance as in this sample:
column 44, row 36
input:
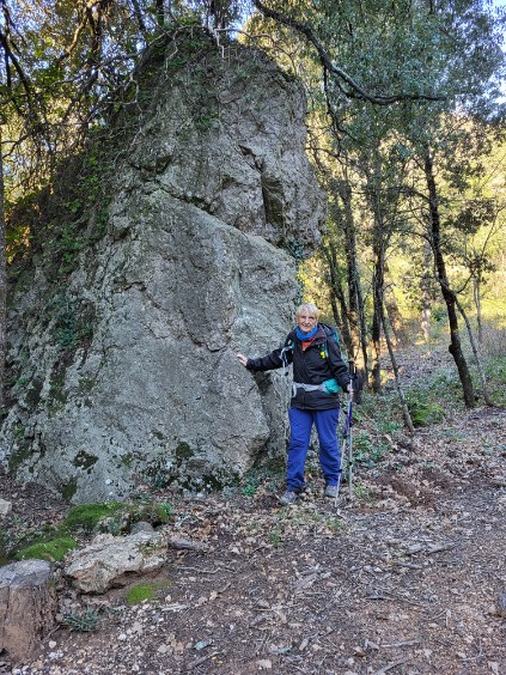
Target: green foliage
column 423, row 411
column 87, row 516
column 4, row 559
column 275, row 537
column 73, row 323
column 140, row 593
column 495, row 371
column 53, row 550
column 115, row 517
column 156, row 513
column 367, row 450
column 361, row 492
column 144, row 592
column 250, row 487
column 82, row 622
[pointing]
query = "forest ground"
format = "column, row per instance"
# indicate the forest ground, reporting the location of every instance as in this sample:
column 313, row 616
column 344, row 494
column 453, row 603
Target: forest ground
column 406, row 578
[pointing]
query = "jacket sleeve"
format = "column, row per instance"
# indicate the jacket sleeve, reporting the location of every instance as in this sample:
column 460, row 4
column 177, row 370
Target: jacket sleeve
column 338, row 366
column 276, row 359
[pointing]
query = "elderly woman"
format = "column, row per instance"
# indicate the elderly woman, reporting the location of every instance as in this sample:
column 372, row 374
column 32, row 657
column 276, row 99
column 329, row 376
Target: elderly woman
column 318, row 373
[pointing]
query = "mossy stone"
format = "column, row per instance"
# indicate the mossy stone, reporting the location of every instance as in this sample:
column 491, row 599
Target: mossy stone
column 87, row 516
column 53, row 550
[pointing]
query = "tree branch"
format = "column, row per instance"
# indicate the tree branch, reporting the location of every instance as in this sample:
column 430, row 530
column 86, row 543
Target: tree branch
column 356, row 90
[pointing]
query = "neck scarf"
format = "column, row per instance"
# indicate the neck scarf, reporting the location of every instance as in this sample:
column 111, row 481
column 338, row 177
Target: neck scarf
column 302, row 336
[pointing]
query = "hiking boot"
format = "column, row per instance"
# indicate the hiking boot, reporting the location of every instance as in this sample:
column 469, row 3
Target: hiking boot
column 288, row 498
column 330, row 491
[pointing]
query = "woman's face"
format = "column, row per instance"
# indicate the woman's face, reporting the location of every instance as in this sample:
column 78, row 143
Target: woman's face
column 306, row 321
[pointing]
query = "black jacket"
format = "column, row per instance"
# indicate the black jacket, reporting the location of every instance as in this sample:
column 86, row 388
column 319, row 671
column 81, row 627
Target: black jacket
column 319, row 362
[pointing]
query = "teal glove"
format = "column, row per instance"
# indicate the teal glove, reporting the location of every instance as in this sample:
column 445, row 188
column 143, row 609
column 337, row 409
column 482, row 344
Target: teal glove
column 331, row 386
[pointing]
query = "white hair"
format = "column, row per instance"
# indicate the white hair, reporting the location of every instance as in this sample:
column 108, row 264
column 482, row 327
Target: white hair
column 308, row 307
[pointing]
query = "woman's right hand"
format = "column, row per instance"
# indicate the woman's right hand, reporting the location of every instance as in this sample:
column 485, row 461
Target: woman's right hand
column 243, row 359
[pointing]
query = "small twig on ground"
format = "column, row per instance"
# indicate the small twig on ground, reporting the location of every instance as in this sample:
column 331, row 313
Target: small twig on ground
column 411, row 566
column 390, row 666
column 438, row 548
column 201, row 660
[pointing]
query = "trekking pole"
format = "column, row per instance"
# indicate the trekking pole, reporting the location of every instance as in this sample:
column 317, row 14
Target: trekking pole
column 346, row 445
column 349, row 424
column 350, row 450
column 340, row 471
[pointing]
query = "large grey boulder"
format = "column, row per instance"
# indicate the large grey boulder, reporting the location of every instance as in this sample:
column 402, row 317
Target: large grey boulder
column 194, row 267
column 27, row 607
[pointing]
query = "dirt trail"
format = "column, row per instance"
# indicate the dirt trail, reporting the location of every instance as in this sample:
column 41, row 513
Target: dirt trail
column 403, row 580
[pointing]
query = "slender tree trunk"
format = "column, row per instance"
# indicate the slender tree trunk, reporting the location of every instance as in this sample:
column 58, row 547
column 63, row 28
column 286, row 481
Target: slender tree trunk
column 426, row 295
column 337, row 295
column 392, row 317
column 404, row 406
column 373, row 173
column 483, row 379
column 393, row 313
column 356, row 309
column 449, row 296
column 477, row 302
column 378, row 289
column 363, row 330
column 3, row 279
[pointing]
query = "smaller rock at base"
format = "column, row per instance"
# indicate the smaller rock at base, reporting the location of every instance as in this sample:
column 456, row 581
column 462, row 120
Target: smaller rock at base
column 112, row 561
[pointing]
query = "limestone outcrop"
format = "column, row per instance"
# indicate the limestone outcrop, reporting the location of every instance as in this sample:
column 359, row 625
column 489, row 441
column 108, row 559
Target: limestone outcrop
column 126, row 370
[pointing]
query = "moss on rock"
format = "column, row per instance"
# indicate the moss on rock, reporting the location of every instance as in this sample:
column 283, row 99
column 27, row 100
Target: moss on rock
column 53, row 550
column 87, row 516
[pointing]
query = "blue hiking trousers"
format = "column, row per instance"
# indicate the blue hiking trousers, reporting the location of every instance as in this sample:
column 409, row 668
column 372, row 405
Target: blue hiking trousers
column 301, row 423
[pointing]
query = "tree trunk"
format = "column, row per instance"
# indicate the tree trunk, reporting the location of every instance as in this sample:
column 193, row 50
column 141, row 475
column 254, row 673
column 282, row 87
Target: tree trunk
column 377, row 319
column 27, row 607
column 355, row 301
column 477, row 302
column 393, row 313
column 426, row 294
column 379, row 244
column 455, row 347
column 3, row 280
column 337, row 294
column 484, row 386
column 404, row 406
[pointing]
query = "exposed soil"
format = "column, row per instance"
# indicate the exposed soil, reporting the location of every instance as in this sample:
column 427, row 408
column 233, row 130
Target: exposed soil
column 405, row 579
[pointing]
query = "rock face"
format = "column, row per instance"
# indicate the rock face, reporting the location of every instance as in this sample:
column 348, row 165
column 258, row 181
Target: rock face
column 27, row 607
column 126, row 370
column 110, row 561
